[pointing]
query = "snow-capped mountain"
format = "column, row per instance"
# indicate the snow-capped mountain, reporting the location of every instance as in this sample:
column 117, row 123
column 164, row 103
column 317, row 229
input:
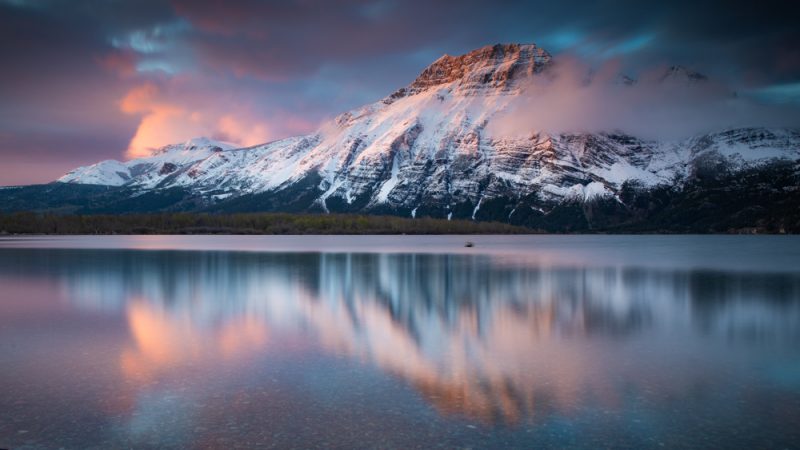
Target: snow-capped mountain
column 146, row 172
column 431, row 149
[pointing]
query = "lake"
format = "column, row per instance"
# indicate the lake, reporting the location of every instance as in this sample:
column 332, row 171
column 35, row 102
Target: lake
column 400, row 342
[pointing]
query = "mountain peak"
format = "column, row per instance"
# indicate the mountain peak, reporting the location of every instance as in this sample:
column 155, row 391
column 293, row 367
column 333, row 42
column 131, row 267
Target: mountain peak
column 197, row 143
column 683, row 75
column 492, row 67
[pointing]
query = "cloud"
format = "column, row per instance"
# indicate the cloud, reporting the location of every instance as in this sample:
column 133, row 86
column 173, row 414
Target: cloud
column 276, row 41
column 161, row 122
column 122, row 63
column 661, row 104
column 174, row 112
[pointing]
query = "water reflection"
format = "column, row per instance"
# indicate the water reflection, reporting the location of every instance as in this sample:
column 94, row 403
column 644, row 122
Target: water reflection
column 476, row 336
column 164, row 339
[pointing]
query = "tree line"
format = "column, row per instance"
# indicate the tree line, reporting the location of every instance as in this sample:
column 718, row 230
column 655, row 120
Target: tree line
column 245, row 223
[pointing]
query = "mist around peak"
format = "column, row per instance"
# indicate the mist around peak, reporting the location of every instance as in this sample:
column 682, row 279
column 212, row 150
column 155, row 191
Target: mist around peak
column 661, row 103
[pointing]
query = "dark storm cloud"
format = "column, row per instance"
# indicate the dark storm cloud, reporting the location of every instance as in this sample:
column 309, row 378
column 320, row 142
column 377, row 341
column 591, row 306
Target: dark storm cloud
column 275, row 39
column 251, row 70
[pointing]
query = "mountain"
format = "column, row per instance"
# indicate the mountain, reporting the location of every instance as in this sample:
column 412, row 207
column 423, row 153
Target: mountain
column 430, row 149
column 148, row 171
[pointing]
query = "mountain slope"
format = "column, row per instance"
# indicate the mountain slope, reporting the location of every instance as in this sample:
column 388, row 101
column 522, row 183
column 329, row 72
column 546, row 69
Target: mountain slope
column 431, row 149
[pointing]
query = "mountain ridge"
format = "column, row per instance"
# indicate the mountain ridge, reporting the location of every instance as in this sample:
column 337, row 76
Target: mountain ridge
column 430, row 149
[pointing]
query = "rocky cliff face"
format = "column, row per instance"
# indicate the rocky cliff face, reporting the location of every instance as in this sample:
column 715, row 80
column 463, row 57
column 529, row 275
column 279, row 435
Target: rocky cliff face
column 494, row 67
column 429, row 149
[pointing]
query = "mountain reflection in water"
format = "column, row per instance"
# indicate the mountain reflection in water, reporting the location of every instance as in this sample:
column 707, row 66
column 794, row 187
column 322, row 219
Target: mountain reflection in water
column 477, row 337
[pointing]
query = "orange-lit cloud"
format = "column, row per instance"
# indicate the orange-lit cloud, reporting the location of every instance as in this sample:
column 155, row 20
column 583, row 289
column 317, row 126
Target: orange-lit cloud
column 161, row 122
column 167, row 118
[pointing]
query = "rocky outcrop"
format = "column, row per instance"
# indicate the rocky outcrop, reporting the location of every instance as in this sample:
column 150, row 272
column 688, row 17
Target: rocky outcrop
column 494, row 67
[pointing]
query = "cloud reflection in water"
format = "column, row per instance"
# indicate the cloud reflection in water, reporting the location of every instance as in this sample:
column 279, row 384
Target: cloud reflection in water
column 477, row 338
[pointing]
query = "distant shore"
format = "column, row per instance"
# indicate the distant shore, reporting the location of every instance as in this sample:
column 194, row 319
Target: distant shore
column 30, row 223
column 250, row 223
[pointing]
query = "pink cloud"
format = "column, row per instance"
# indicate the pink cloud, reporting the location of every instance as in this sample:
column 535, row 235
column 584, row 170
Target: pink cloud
column 174, row 112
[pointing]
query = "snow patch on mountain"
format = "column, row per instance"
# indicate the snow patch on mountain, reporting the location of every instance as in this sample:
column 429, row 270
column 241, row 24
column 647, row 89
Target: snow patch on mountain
column 108, row 173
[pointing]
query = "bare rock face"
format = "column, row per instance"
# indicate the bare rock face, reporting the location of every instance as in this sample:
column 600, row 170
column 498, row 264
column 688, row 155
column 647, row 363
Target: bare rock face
column 488, row 68
column 430, row 149
column 167, row 168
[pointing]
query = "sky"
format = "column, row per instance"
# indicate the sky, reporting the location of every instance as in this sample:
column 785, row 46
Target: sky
column 83, row 81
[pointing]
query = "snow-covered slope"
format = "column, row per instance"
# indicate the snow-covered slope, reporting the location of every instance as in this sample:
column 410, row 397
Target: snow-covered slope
column 428, row 149
column 148, row 171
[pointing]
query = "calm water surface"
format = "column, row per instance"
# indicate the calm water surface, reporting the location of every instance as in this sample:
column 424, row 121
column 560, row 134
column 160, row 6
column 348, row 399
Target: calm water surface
column 400, row 342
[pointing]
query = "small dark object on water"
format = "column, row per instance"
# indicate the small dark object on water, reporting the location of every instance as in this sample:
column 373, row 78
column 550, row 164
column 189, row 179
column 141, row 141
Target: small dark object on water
column 469, row 244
